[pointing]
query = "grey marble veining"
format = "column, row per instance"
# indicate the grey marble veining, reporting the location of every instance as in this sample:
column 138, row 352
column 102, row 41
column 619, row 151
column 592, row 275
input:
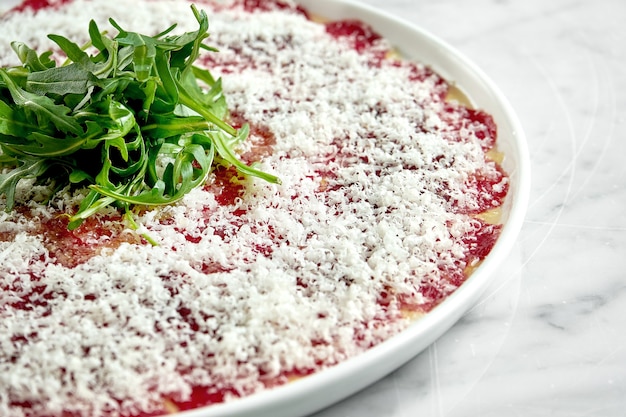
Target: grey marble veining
column 550, row 338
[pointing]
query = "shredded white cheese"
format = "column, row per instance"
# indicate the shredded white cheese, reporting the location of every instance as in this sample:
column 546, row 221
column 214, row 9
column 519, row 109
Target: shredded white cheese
column 362, row 210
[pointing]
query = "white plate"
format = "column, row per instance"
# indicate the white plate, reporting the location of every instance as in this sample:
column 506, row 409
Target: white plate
column 324, row 388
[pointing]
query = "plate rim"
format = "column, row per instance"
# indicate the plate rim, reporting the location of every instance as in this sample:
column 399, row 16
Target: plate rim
column 302, row 397
column 295, row 398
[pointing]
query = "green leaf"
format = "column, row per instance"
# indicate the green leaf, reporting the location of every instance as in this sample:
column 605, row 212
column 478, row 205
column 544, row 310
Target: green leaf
column 98, row 40
column 75, row 53
column 30, row 59
column 8, row 125
column 89, row 206
column 28, row 168
column 111, row 120
column 226, row 152
column 167, row 126
column 72, row 79
column 77, row 176
column 40, row 145
column 43, row 106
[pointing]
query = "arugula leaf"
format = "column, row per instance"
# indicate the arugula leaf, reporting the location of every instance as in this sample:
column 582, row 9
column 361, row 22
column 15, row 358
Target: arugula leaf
column 28, row 168
column 135, row 121
column 71, row 79
column 43, row 106
column 30, row 59
column 8, row 124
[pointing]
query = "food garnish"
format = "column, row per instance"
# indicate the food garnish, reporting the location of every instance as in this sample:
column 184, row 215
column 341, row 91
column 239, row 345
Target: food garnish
column 135, row 121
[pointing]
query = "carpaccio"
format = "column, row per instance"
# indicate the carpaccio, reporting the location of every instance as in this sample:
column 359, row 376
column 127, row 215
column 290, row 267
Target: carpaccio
column 379, row 218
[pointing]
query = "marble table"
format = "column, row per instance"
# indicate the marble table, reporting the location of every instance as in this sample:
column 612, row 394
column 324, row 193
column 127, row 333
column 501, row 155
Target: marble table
column 549, row 337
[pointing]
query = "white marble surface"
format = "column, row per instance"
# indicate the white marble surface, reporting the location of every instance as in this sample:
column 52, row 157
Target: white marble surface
column 549, row 338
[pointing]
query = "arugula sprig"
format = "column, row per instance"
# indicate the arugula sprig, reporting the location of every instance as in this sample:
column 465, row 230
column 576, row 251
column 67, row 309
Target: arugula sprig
column 136, row 121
